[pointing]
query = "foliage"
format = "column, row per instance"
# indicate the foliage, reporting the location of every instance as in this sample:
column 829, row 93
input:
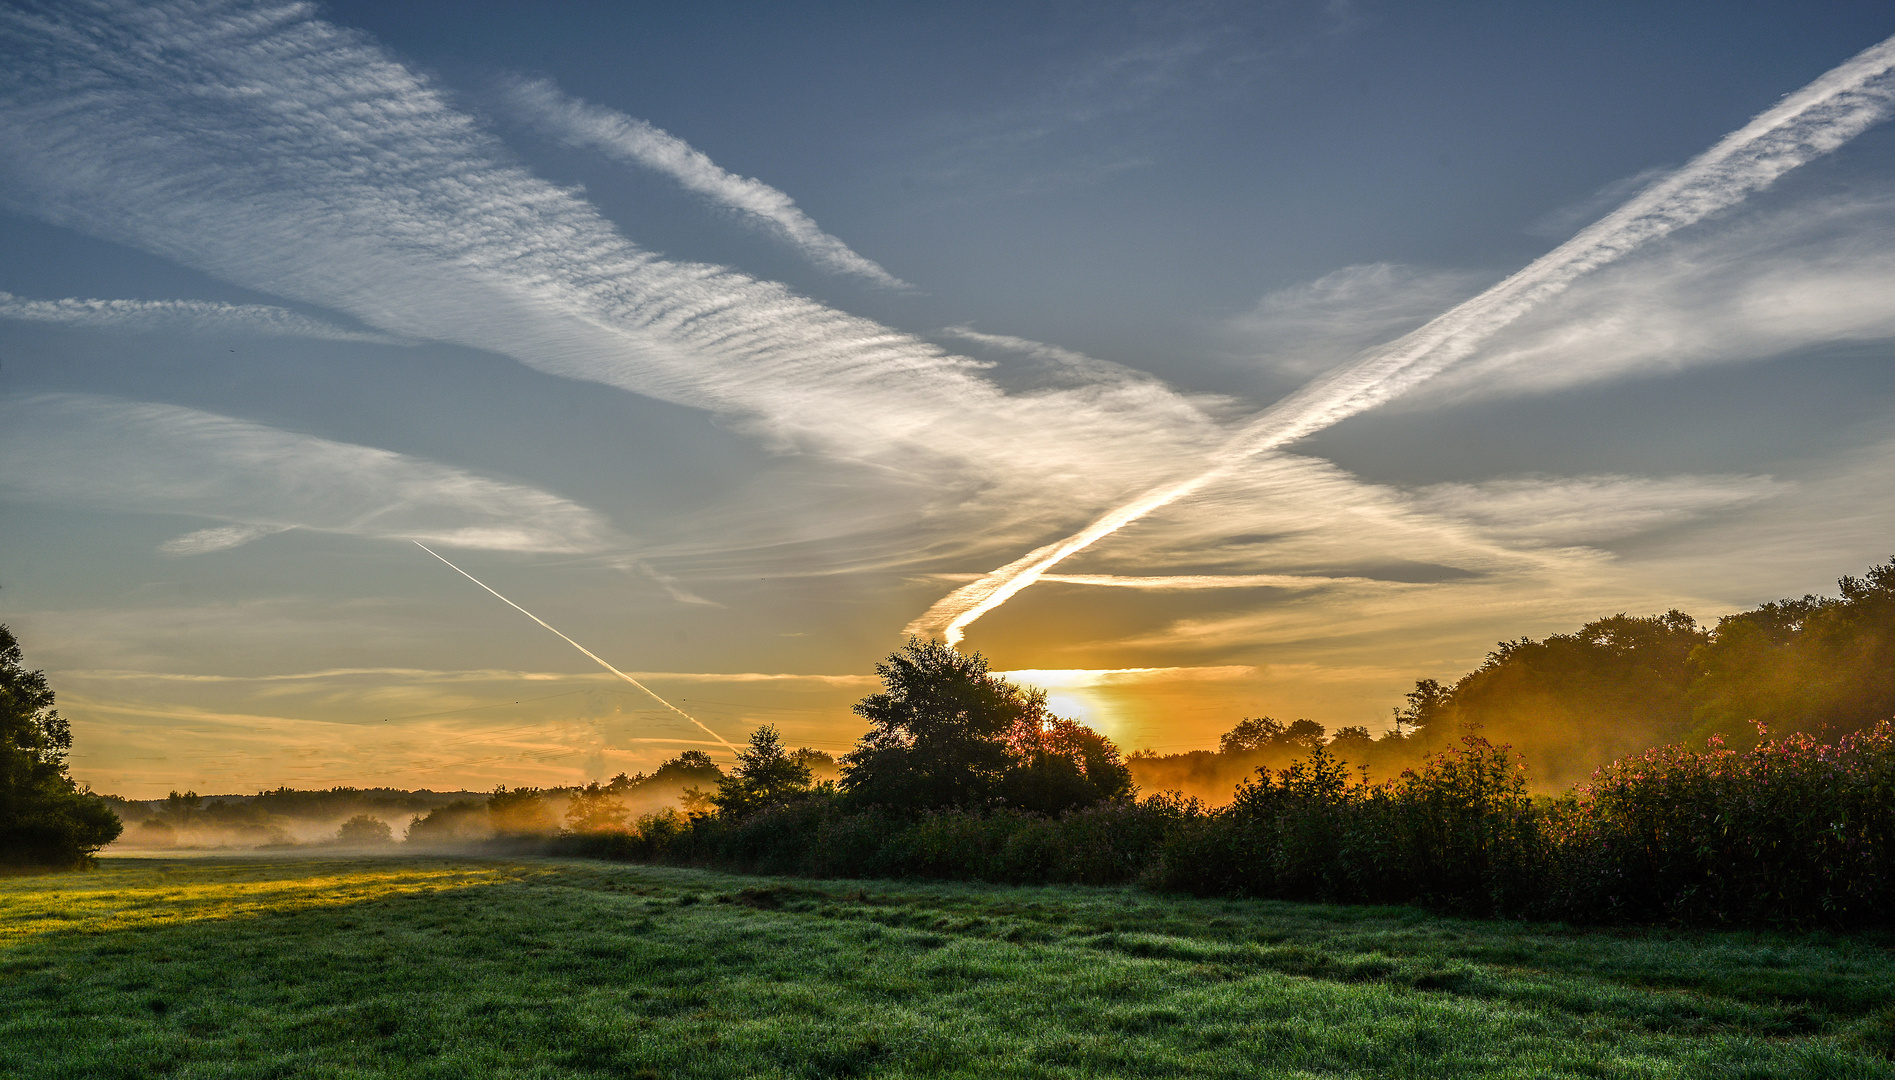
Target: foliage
column 1265, row 733
column 1821, row 665
column 520, row 812
column 692, row 768
column 766, row 775
column 937, row 734
column 457, row 822
column 1061, row 765
column 1105, row 843
column 1459, row 833
column 1614, row 687
column 1816, row 664
column 364, row 831
column 947, row 734
column 1257, row 742
column 1791, row 831
column 594, row 809
column 46, row 820
column 213, row 967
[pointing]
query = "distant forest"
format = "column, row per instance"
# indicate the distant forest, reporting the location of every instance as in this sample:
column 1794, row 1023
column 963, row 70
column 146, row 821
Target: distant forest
column 1573, row 703
column 1741, row 773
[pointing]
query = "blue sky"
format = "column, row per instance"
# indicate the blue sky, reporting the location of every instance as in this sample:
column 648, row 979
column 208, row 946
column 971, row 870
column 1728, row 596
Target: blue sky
column 737, row 340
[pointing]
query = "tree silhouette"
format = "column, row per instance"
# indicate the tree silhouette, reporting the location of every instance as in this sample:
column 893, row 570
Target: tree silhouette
column 365, row 831
column 594, row 809
column 946, row 732
column 937, row 730
column 766, row 775
column 45, row 818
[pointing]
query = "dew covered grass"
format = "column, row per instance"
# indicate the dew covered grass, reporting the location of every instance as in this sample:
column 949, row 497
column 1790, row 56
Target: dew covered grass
column 462, row 967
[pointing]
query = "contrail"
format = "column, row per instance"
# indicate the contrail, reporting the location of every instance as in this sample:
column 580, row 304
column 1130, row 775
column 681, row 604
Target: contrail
column 583, row 649
column 579, row 123
column 1805, row 125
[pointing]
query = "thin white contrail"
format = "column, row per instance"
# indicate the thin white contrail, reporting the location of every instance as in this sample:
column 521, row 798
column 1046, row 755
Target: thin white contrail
column 1805, row 125
column 583, row 649
column 627, row 138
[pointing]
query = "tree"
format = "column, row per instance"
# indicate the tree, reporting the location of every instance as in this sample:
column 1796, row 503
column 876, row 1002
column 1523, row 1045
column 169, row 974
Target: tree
column 949, row 734
column 1264, row 733
column 1612, row 688
column 457, row 822
column 1352, row 739
column 821, row 764
column 1427, row 703
column 1815, row 664
column 45, row 818
column 594, row 809
column 520, row 812
column 365, row 831
column 937, row 734
column 1061, row 765
column 766, row 775
column 1250, row 735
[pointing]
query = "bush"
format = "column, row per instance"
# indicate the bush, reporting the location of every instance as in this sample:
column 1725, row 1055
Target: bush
column 1791, row 832
column 1459, row 833
column 363, row 830
column 458, row 822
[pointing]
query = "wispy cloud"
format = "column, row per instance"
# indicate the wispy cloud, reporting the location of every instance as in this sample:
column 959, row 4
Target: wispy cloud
column 1564, row 511
column 203, row 317
column 1065, row 678
column 300, row 159
column 1561, row 223
column 1169, row 582
column 624, row 138
column 1804, row 125
column 1053, row 365
column 1306, row 329
column 262, row 480
column 1816, row 272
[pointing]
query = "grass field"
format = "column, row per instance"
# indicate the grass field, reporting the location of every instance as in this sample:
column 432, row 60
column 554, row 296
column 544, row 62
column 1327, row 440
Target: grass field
column 449, row 967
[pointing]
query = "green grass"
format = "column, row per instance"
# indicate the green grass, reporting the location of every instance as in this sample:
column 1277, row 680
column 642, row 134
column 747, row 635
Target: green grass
column 544, row 968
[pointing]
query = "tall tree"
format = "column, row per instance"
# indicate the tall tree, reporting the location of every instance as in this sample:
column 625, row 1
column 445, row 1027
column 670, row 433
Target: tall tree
column 1815, row 664
column 937, row 734
column 766, row 775
column 1615, row 686
column 1062, row 764
column 947, row 732
column 45, row 818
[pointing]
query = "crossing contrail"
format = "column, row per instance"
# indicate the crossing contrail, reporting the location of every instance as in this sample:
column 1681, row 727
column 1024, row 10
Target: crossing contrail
column 583, row 649
column 1813, row 121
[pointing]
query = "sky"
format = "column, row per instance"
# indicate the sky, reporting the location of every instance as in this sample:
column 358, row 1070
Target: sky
column 1190, row 361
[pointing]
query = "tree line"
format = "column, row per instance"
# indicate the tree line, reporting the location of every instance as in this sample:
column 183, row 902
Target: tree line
column 962, row 773
column 1786, row 816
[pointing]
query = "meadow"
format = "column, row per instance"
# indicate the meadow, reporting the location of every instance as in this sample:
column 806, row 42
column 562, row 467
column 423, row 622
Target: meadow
column 416, row 966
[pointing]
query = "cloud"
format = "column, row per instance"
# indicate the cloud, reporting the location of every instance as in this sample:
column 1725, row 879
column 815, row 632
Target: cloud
column 1309, row 328
column 183, row 316
column 1813, row 121
column 1563, row 222
column 1760, row 286
column 218, row 538
column 482, row 675
column 167, row 459
column 1072, row 678
column 1165, row 583
column 297, row 158
column 1053, row 365
column 1565, row 511
column 578, row 123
